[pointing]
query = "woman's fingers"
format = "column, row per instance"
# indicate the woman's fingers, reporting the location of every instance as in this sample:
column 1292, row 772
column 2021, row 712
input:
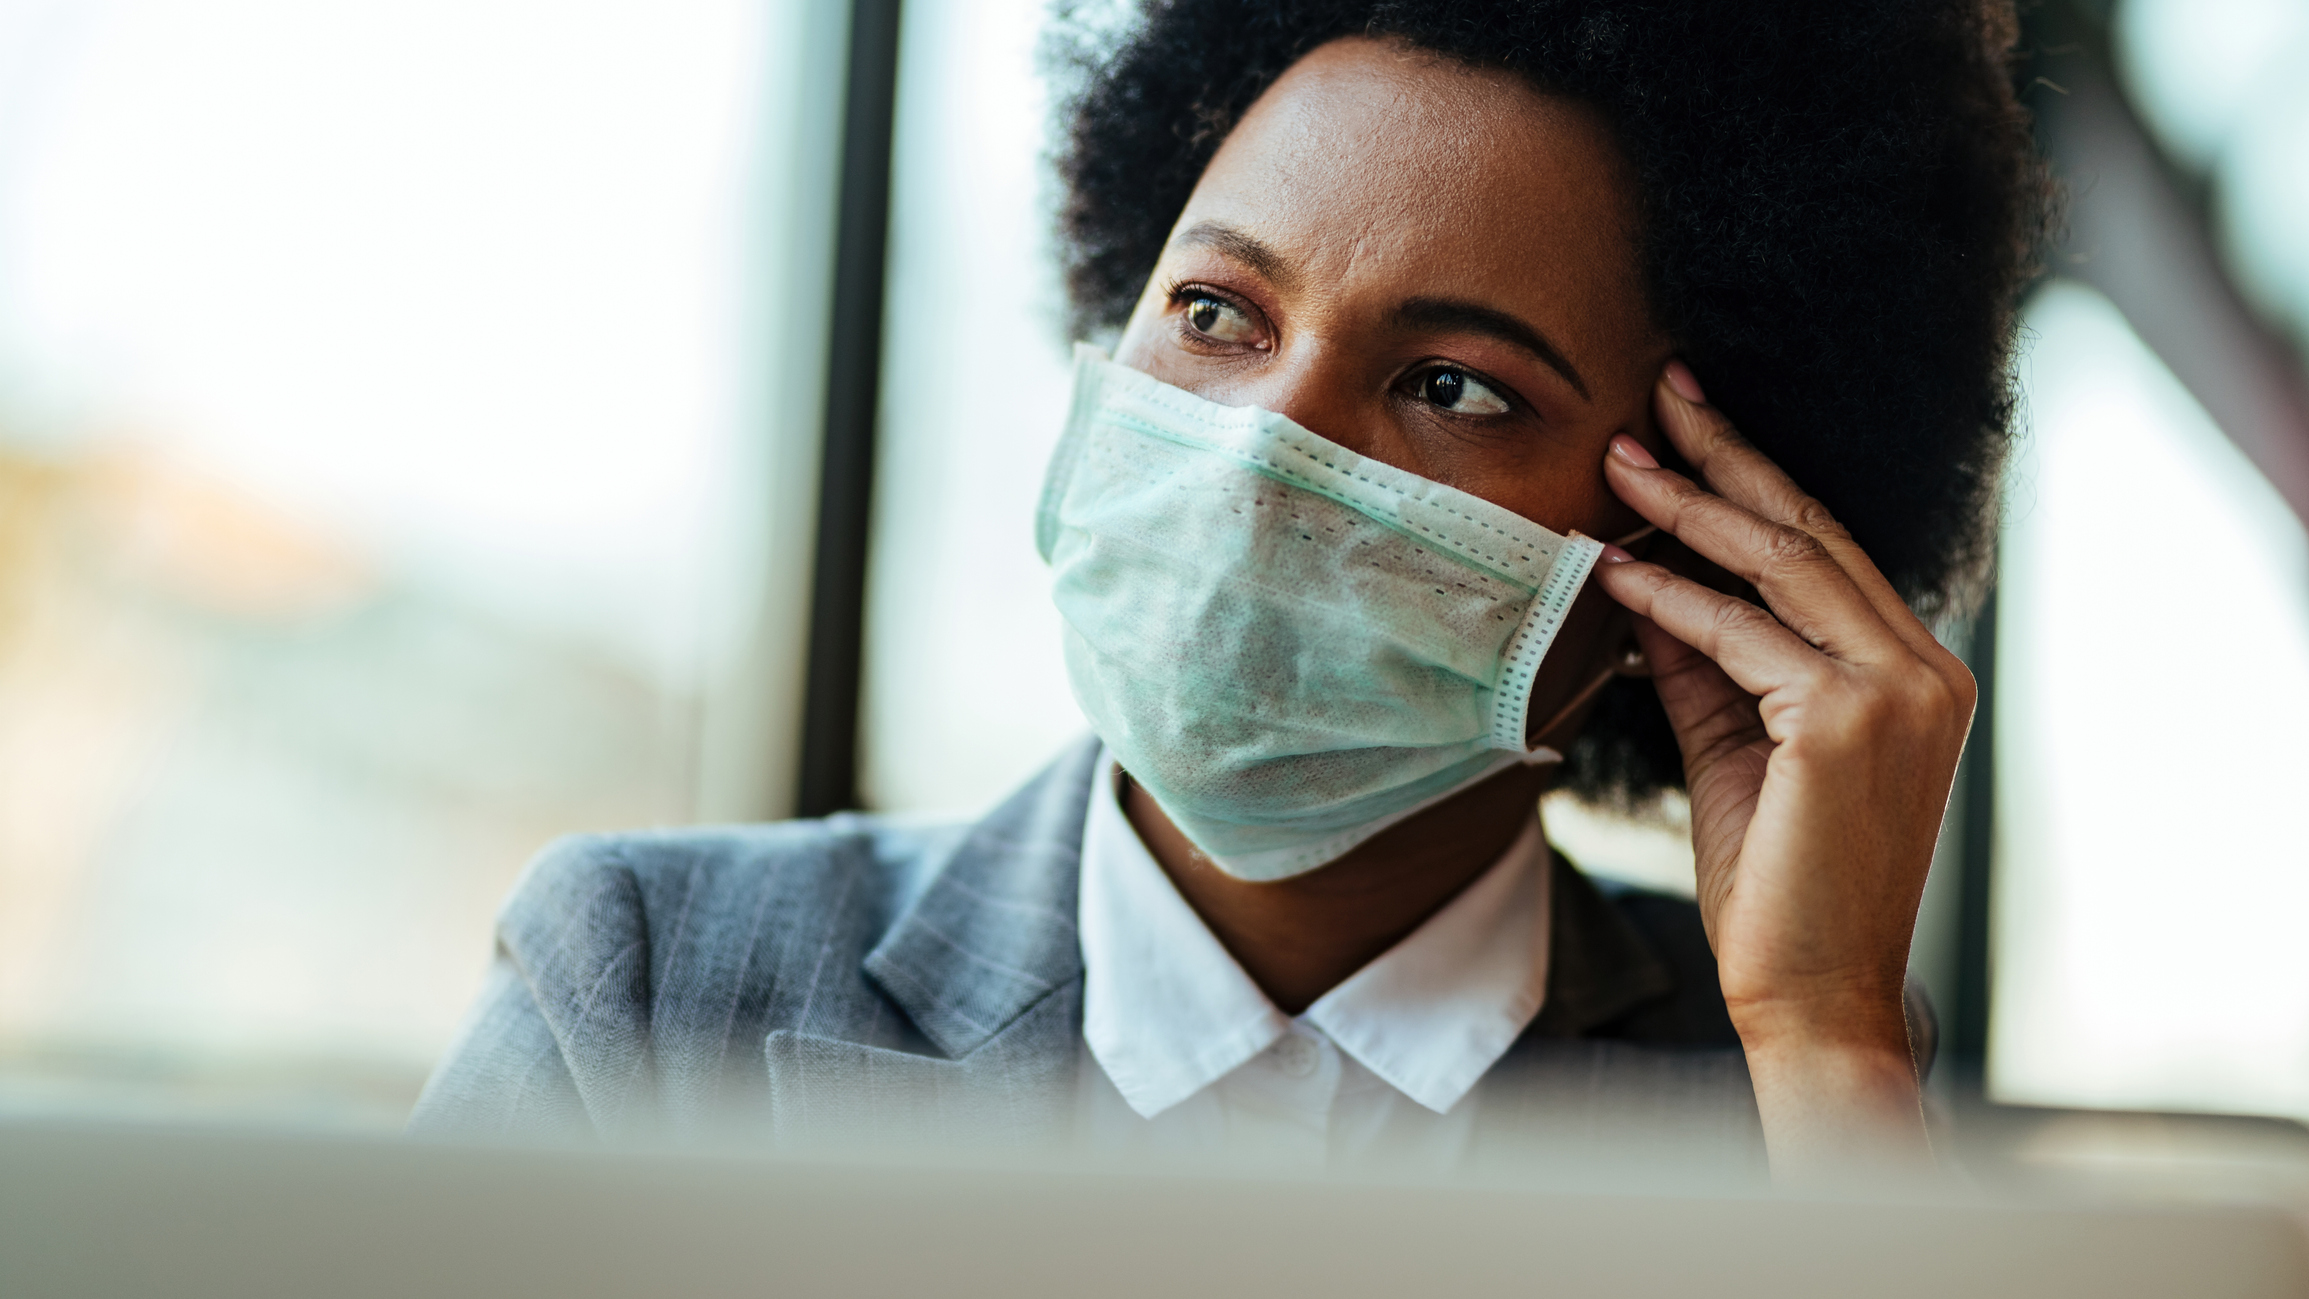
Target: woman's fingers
column 1726, row 462
column 1794, row 572
column 1707, row 709
column 1733, row 467
column 1726, row 749
column 1753, row 648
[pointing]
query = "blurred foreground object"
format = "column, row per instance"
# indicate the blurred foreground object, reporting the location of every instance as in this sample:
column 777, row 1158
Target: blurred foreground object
column 123, row 1212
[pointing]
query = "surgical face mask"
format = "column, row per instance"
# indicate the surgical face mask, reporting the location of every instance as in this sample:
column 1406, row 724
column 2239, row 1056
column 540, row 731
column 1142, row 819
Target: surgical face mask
column 1292, row 647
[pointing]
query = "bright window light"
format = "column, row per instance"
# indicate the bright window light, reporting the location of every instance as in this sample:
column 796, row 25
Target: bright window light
column 376, row 413
column 2152, row 687
column 966, row 692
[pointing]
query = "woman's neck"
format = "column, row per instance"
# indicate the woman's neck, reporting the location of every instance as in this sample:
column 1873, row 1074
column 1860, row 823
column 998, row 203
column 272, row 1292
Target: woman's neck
column 1298, row 938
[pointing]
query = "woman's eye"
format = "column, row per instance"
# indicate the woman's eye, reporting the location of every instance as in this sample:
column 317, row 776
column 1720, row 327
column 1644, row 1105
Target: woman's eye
column 1220, row 320
column 1460, row 393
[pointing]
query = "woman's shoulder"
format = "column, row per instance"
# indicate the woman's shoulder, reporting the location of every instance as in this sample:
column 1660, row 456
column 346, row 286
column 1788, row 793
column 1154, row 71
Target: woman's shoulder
column 640, row 976
column 690, row 940
column 635, row 972
column 693, row 892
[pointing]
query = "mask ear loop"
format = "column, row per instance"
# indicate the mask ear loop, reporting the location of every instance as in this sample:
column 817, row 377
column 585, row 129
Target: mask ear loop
column 1541, row 754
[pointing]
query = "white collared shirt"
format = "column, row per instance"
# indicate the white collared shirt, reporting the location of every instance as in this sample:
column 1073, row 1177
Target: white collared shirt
column 1186, row 1054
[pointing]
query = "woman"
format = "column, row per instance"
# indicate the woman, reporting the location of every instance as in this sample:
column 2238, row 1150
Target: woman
column 1409, row 301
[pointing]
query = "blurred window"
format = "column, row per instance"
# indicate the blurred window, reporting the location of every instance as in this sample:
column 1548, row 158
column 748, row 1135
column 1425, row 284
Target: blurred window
column 2153, row 642
column 2152, row 686
column 965, row 688
column 2221, row 83
column 380, row 453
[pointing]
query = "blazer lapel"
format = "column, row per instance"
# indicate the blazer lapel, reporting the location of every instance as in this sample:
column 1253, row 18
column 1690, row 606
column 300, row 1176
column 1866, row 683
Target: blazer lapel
column 1014, row 1088
column 987, row 964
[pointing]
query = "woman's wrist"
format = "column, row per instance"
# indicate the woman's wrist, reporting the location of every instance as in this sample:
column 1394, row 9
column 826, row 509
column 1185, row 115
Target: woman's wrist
column 1836, row 1088
column 1872, row 1018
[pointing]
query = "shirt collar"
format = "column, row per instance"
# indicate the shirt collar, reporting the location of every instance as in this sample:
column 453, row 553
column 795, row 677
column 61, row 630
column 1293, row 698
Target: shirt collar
column 1167, row 1011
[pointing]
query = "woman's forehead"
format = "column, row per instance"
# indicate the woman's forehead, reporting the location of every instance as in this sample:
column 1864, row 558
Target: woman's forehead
column 1370, row 161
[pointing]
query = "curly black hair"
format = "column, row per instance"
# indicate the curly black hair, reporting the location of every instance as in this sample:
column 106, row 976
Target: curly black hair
column 1841, row 204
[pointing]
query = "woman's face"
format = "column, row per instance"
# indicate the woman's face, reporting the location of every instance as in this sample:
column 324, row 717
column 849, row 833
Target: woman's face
column 1431, row 265
column 1435, row 267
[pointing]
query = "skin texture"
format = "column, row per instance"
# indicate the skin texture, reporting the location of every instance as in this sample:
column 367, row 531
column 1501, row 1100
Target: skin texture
column 1358, row 234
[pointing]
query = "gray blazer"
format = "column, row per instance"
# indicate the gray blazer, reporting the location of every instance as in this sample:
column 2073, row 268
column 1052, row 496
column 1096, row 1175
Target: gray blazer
column 860, row 975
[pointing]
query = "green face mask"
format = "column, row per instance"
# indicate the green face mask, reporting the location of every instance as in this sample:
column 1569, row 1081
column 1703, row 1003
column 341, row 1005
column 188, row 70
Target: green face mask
column 1290, row 646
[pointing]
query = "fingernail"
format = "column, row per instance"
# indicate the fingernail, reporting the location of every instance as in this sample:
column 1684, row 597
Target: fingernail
column 1680, row 378
column 1614, row 555
column 1632, row 451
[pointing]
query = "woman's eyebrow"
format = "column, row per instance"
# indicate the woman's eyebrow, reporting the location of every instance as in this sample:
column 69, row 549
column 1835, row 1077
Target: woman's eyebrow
column 1230, row 242
column 1466, row 317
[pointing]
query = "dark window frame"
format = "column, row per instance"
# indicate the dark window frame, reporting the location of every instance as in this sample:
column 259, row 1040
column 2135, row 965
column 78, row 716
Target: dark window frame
column 833, row 675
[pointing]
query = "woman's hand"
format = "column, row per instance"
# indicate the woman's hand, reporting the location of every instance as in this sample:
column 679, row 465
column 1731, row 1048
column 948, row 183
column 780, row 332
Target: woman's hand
column 1820, row 739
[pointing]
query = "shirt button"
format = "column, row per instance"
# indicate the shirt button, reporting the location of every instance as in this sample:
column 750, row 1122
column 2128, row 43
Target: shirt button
column 1297, row 1056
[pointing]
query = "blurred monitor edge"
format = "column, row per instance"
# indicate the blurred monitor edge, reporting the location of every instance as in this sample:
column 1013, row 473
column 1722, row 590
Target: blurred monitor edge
column 124, row 1210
